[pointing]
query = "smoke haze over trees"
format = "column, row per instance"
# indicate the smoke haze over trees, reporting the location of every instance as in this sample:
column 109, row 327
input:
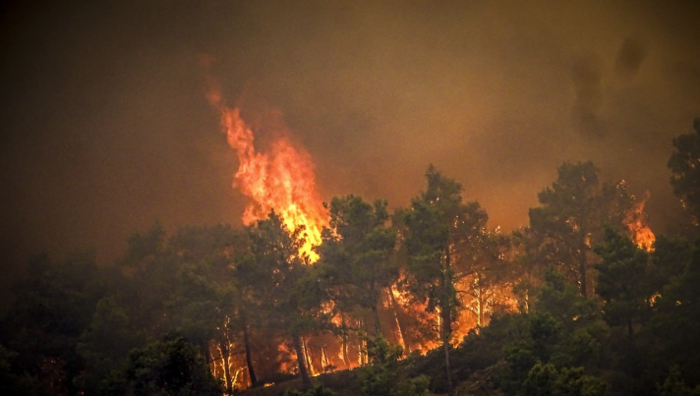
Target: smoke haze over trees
column 214, row 310
column 105, row 127
column 561, row 135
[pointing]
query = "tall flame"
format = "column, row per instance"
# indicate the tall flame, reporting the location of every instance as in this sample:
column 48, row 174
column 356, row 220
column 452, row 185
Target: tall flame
column 281, row 179
column 637, row 224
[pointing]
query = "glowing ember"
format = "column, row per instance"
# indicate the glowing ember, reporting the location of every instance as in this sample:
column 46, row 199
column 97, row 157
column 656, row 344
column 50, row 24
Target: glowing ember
column 281, row 179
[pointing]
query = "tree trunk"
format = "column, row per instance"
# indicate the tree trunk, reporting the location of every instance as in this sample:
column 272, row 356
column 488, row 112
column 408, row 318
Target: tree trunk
column 362, row 344
column 324, row 360
column 395, row 309
column 248, row 357
column 374, row 301
column 307, row 354
column 446, row 319
column 479, row 304
column 375, row 318
column 445, row 332
column 346, row 359
column 583, row 267
column 301, row 361
column 225, row 358
column 362, row 349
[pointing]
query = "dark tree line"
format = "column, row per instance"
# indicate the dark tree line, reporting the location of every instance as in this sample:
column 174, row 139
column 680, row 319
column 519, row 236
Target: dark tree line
column 573, row 304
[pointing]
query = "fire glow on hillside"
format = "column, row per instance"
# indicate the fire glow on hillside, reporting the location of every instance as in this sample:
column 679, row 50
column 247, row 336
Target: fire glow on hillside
column 280, row 177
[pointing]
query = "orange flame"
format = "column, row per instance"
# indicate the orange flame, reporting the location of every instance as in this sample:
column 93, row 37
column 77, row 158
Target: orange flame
column 281, row 179
column 637, row 224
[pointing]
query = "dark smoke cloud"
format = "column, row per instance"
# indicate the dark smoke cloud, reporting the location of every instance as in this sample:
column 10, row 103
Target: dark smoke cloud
column 630, row 57
column 106, row 127
column 587, row 76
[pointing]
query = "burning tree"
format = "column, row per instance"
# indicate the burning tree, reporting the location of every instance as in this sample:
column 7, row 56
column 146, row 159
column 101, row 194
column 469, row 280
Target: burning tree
column 205, row 305
column 434, row 227
column 288, row 300
column 481, row 266
column 571, row 217
column 356, row 256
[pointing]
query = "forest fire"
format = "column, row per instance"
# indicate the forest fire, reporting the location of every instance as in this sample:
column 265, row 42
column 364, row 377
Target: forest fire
column 361, row 305
column 641, row 233
column 281, row 179
column 350, row 198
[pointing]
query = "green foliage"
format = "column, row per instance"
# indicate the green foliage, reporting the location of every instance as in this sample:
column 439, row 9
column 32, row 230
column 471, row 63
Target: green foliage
column 573, row 382
column 13, row 383
column 676, row 321
column 318, row 390
column 563, row 302
column 571, row 217
column 383, row 377
column 546, row 380
column 197, row 306
column 356, row 263
column 675, row 386
column 150, row 270
column 77, row 328
column 684, row 165
column 561, row 331
column 519, row 358
column 623, row 281
column 169, row 367
column 669, row 260
column 416, row 386
column 431, row 227
column 104, row 345
column 564, row 327
column 486, row 348
column 272, row 268
column 278, row 284
column 540, row 380
column 53, row 307
column 380, row 378
column 580, row 348
column 567, row 324
column 426, row 241
column 440, row 233
column 545, row 333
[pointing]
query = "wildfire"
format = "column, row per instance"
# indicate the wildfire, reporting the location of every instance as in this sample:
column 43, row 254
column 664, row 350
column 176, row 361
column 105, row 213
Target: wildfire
column 281, row 179
column 637, row 224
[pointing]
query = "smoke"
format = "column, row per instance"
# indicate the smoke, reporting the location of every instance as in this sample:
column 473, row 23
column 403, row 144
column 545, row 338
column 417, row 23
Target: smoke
column 106, row 126
column 587, row 78
column 630, row 57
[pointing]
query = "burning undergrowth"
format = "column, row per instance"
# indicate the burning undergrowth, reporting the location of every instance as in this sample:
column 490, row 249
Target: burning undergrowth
column 364, row 259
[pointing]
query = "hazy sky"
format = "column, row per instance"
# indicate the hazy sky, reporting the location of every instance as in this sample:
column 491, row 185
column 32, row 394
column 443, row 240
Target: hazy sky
column 105, row 127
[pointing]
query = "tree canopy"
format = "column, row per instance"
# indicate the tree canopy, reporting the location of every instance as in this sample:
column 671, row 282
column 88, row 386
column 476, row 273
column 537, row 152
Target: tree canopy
column 428, row 298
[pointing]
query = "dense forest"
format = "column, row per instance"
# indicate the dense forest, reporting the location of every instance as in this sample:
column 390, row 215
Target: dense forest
column 425, row 299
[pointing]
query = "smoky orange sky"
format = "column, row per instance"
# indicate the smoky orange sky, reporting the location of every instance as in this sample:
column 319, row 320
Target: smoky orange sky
column 106, row 128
